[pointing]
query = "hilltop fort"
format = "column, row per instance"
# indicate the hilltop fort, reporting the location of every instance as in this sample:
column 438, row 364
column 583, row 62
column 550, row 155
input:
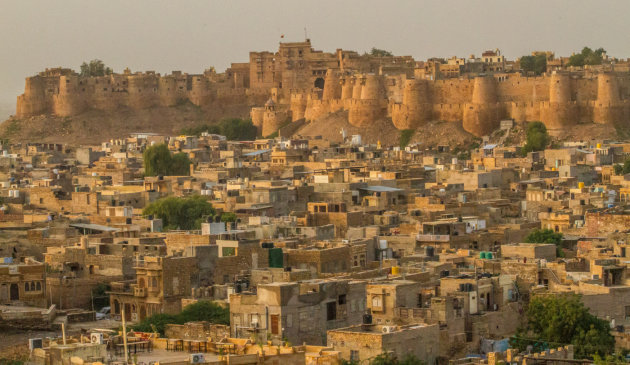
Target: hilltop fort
column 300, row 83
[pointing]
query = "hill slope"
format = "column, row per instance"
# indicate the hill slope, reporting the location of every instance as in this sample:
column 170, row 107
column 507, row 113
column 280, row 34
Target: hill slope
column 94, row 127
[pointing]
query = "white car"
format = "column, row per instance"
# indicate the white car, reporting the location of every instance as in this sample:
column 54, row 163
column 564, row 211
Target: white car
column 103, row 313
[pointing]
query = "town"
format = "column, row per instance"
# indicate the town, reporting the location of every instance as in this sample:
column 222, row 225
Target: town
column 272, row 237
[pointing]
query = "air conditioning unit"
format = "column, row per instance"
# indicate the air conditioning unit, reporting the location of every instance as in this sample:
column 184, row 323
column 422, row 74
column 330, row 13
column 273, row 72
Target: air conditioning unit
column 197, row 359
column 388, row 329
column 96, row 338
column 35, row 343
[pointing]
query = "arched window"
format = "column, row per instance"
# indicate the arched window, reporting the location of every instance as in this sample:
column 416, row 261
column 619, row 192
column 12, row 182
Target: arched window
column 39, row 286
column 154, row 282
column 32, row 286
column 26, row 287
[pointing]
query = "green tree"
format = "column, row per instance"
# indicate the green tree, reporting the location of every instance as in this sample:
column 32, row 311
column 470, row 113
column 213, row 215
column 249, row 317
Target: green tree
column 200, row 311
column 546, row 236
column 180, row 164
column 405, row 137
column 228, row 217
column 587, row 57
column 158, row 160
column 94, row 68
column 555, row 320
column 618, row 169
column 234, row 129
column 622, row 169
column 617, row 359
column 100, row 298
column 536, row 64
column 380, row 52
column 537, row 138
column 181, row 213
column 205, row 311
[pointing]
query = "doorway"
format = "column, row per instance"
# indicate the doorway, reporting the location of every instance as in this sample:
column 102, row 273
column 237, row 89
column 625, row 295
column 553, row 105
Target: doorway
column 15, row 292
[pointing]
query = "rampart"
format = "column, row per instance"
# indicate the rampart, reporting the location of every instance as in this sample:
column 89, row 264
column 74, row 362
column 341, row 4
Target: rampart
column 305, row 84
column 560, row 100
column 63, row 92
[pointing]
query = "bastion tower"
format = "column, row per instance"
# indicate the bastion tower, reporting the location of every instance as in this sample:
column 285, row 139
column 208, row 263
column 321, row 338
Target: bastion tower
column 68, row 101
column 561, row 111
column 416, row 107
column 33, row 101
column 608, row 107
column 482, row 116
column 369, row 107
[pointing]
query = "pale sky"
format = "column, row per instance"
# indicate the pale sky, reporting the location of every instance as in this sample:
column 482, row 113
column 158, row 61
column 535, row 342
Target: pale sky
column 193, row 35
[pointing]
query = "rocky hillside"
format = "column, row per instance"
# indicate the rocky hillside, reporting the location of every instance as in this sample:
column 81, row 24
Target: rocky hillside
column 94, row 127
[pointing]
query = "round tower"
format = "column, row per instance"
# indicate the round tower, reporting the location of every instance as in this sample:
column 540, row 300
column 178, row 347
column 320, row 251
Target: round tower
column 68, row 102
column 332, row 87
column 560, row 112
column 559, row 88
column 33, row 101
column 142, row 90
column 372, row 88
column 371, row 105
column 199, row 93
column 482, row 116
column 346, row 88
column 608, row 107
column 607, row 89
column 416, row 105
column 272, row 118
column 167, row 87
column 484, row 90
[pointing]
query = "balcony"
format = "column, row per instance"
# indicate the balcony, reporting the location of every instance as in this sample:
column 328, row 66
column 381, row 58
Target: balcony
column 139, row 292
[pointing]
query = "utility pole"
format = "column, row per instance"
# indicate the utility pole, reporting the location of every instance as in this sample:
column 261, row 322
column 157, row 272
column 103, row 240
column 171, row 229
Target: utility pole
column 124, row 333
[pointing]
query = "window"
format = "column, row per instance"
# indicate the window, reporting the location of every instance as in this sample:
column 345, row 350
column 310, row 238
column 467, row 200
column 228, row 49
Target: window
column 377, row 301
column 354, row 355
column 26, row 287
column 342, row 299
column 331, row 311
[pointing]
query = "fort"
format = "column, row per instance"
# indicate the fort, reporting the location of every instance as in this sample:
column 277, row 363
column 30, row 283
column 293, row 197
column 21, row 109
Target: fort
column 298, row 82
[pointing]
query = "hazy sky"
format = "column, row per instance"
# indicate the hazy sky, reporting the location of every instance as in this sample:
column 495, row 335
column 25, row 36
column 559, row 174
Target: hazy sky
column 192, row 35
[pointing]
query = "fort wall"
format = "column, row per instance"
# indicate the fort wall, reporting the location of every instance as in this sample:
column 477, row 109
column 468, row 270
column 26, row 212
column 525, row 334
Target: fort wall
column 560, row 100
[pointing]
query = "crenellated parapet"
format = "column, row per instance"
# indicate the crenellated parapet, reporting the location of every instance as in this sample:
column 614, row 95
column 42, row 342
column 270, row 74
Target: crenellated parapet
column 63, row 92
column 560, row 99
